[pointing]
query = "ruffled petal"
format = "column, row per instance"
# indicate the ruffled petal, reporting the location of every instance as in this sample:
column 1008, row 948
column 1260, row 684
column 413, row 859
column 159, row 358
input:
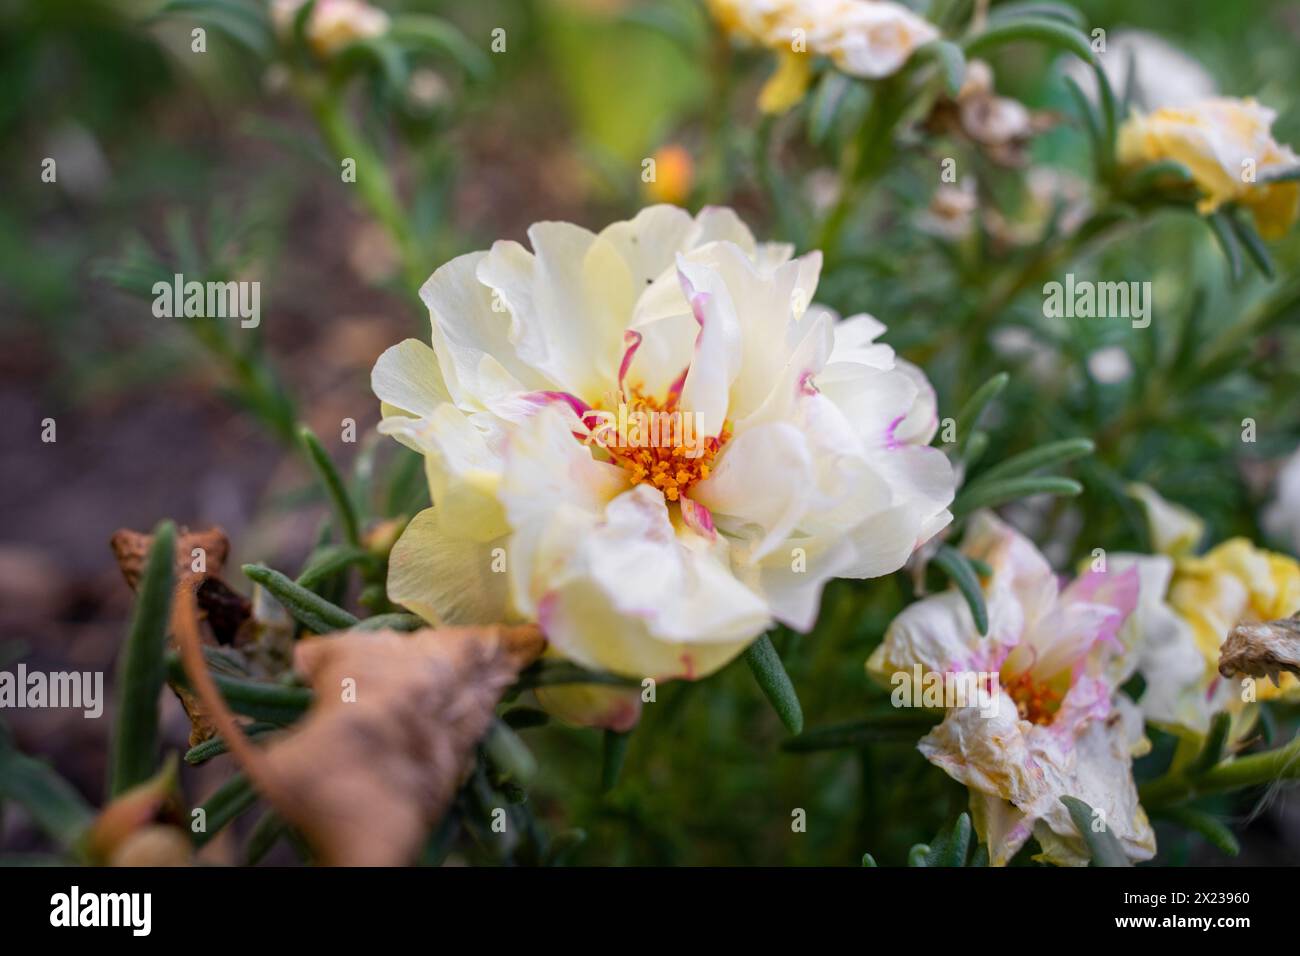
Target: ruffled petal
column 448, row 580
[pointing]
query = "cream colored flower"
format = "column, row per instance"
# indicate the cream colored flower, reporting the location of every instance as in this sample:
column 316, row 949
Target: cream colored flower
column 1175, row 530
column 1058, row 727
column 801, row 451
column 332, row 24
column 864, row 38
column 1228, row 147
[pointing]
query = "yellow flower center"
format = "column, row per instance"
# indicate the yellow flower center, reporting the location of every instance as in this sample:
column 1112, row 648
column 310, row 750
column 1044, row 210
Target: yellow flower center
column 1036, row 700
column 657, row 444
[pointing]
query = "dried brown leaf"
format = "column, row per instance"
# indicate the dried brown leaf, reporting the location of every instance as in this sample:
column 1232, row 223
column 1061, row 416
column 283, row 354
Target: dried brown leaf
column 224, row 609
column 1262, row 650
column 375, row 763
column 131, row 548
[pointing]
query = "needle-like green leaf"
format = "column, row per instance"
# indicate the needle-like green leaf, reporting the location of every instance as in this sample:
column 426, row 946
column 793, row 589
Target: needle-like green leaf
column 55, row 806
column 306, row 607
column 1103, row 845
column 141, row 670
column 954, row 564
column 344, row 510
column 768, row 670
column 230, row 800
column 994, row 493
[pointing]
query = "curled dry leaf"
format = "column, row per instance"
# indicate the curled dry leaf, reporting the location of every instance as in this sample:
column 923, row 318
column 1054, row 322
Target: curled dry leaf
column 1262, row 650
column 131, row 548
column 256, row 636
column 377, row 761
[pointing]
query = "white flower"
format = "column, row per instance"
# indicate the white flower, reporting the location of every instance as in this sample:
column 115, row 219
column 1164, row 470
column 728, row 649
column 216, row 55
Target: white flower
column 634, row 557
column 332, row 24
column 865, row 38
column 1282, row 517
column 1110, row 365
column 1058, row 727
column 1161, row 74
column 1175, row 530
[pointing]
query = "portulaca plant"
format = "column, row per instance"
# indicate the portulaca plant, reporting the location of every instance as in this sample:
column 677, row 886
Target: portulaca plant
column 895, row 464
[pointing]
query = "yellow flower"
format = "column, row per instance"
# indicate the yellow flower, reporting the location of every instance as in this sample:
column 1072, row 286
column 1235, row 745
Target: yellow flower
column 1228, row 147
column 865, row 38
column 674, row 176
column 332, row 24
column 1235, row 583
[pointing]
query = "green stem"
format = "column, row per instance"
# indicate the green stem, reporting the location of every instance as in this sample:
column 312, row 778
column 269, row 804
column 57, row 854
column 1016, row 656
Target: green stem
column 1254, row 770
column 373, row 182
column 864, row 160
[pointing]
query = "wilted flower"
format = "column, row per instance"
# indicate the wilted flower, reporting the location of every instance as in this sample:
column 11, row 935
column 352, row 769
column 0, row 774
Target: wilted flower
column 332, row 24
column 795, row 448
column 951, row 213
column 865, row 38
column 1058, row 728
column 1228, row 147
column 999, row 125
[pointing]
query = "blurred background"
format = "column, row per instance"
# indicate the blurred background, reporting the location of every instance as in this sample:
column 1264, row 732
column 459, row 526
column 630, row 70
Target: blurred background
column 215, row 164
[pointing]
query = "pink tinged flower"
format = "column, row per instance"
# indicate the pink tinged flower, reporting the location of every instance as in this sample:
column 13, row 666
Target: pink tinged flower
column 1059, row 727
column 638, row 551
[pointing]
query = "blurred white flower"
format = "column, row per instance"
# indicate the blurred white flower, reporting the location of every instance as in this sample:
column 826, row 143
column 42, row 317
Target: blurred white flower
column 332, row 24
column 1175, row 530
column 1282, row 516
column 1110, row 365
column 865, row 38
column 951, row 213
column 1163, row 75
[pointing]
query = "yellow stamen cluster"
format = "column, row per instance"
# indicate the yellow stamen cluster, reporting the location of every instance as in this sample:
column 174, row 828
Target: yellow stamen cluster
column 669, row 467
column 1035, row 701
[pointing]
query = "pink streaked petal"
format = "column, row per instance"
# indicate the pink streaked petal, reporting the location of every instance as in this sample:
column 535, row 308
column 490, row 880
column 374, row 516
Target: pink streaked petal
column 675, row 389
column 1116, row 591
column 699, row 519
column 632, row 339
column 540, row 399
column 891, row 434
